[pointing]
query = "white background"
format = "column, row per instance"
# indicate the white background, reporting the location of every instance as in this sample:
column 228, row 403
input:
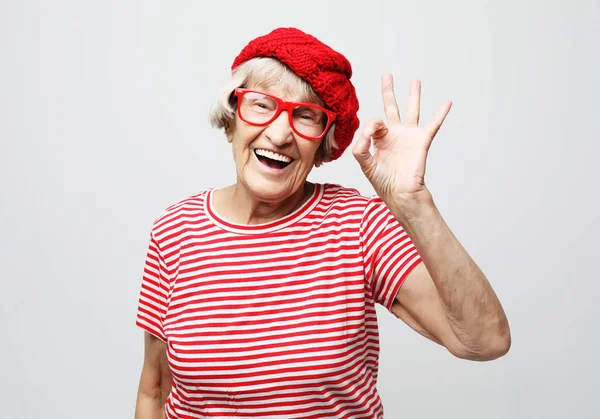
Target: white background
column 103, row 124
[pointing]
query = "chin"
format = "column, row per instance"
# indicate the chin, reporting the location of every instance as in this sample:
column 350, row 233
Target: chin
column 270, row 190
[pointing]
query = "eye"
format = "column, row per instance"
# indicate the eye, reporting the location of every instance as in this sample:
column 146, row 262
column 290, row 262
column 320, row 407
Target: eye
column 263, row 104
column 308, row 115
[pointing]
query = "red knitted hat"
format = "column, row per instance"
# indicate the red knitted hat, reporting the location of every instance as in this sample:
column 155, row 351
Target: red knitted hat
column 327, row 71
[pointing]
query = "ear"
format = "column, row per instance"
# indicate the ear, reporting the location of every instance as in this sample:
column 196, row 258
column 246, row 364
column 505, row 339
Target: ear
column 318, row 162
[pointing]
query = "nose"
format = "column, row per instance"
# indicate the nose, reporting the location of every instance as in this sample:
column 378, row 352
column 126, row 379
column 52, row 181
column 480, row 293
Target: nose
column 279, row 131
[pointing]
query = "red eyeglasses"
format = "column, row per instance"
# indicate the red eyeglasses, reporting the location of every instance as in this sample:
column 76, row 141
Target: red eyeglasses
column 307, row 120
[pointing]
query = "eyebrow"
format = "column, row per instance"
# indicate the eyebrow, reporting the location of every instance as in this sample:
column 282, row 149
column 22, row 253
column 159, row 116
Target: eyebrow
column 267, row 89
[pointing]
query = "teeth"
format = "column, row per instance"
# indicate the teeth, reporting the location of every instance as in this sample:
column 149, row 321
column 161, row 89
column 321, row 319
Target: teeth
column 271, row 155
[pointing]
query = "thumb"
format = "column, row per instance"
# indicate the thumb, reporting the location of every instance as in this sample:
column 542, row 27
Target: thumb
column 361, row 151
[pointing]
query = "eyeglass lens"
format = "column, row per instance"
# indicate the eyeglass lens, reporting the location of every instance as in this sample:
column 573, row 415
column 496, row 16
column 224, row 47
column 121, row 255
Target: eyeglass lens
column 257, row 108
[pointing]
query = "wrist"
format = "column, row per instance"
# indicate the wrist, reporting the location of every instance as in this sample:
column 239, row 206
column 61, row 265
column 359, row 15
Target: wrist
column 411, row 208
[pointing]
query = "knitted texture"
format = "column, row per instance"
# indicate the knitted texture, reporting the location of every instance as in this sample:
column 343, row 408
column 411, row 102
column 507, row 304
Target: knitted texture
column 327, row 71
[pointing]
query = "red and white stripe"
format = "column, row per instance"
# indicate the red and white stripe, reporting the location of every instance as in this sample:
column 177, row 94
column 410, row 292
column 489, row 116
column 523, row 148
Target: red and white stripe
column 275, row 320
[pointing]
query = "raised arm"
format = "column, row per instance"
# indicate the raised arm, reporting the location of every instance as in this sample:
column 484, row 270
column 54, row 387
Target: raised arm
column 449, row 299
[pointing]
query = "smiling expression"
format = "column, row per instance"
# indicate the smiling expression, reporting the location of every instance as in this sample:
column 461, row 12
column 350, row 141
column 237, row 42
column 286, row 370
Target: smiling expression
column 272, row 162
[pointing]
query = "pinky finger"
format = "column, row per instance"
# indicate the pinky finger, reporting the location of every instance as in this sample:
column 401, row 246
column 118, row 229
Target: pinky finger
column 436, row 122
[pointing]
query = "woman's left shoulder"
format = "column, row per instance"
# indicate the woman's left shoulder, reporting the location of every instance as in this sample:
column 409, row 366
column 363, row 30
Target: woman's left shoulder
column 337, row 192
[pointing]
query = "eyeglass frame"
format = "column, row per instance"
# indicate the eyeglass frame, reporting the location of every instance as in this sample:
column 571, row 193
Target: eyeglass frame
column 283, row 105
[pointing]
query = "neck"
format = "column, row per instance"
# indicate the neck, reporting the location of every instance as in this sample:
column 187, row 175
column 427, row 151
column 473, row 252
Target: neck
column 235, row 204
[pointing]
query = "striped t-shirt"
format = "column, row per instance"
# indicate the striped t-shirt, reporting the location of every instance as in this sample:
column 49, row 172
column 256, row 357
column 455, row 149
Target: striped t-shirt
column 275, row 320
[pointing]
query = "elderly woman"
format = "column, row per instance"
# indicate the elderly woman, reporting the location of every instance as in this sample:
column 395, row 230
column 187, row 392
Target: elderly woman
column 258, row 299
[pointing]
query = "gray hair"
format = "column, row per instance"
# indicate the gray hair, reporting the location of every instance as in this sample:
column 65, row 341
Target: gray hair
column 266, row 72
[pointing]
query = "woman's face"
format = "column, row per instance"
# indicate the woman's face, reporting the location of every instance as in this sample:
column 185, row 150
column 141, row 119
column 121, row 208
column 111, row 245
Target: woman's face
column 272, row 162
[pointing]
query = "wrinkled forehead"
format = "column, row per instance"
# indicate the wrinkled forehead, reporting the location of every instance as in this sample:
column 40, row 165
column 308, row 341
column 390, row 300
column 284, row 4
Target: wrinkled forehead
column 284, row 92
column 285, row 85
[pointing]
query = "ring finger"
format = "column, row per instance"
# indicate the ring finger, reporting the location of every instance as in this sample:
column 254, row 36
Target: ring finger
column 414, row 103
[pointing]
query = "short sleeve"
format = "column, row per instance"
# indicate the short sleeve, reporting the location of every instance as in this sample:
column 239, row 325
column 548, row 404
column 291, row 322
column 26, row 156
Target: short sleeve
column 152, row 305
column 389, row 254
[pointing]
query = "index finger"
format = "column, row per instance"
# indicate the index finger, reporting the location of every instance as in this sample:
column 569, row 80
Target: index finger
column 392, row 113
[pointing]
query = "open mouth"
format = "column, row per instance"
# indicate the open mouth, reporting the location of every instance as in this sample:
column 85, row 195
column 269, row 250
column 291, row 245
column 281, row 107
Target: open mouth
column 271, row 159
